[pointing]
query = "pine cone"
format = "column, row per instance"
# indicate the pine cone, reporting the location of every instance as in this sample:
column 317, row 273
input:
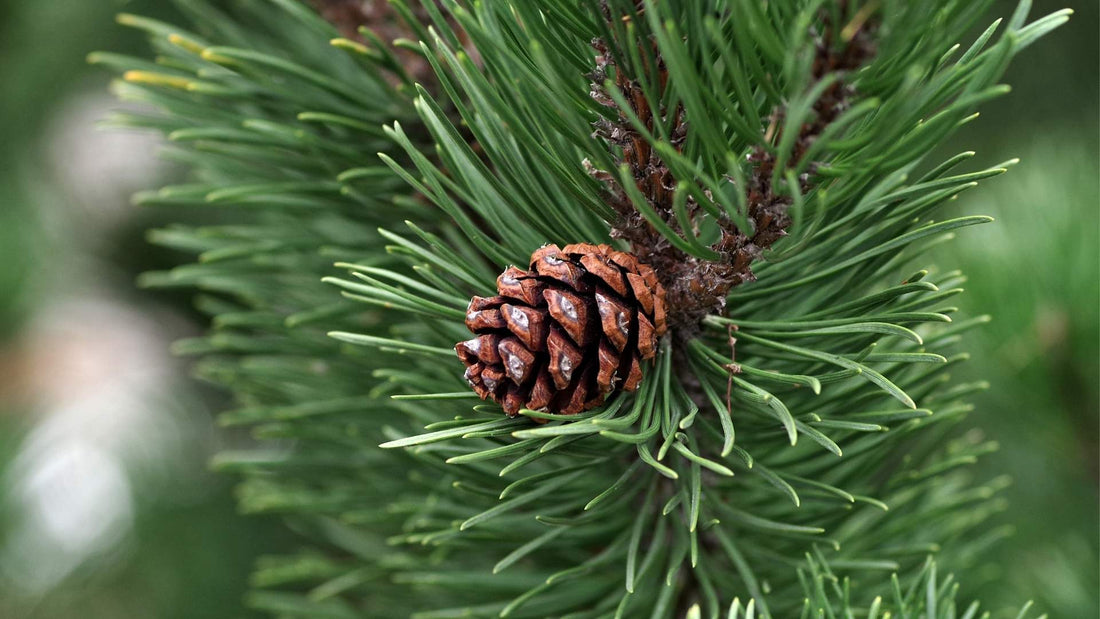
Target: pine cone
column 564, row 335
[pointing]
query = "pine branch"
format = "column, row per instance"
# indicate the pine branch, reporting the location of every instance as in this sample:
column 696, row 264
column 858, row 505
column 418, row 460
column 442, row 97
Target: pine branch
column 697, row 285
column 829, row 457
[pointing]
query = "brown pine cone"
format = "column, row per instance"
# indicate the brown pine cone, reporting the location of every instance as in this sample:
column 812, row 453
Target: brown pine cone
column 564, row 335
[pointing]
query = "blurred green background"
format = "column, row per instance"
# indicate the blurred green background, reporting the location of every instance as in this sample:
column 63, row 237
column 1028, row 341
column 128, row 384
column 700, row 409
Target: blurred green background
column 106, row 507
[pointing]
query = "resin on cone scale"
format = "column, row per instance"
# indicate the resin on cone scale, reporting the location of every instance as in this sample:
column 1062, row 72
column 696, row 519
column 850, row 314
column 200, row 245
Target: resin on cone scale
column 567, row 333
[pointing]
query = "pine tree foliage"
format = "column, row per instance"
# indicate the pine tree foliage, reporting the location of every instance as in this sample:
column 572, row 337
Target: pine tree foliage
column 792, row 453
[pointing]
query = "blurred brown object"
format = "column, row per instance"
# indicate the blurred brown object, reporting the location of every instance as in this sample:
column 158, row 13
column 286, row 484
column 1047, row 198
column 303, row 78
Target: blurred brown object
column 12, row 380
column 58, row 362
column 378, row 15
column 380, row 18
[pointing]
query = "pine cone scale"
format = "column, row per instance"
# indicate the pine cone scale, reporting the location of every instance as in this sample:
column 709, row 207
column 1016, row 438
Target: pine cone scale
column 614, row 320
column 565, row 334
column 571, row 312
column 564, row 358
